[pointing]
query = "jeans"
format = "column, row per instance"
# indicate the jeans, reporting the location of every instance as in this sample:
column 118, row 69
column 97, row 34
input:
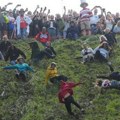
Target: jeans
column 23, row 33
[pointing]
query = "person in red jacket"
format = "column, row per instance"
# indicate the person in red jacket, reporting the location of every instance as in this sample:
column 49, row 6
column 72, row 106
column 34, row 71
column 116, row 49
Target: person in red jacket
column 65, row 95
column 43, row 36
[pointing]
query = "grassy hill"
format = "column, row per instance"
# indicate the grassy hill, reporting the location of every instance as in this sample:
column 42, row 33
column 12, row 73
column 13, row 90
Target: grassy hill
column 33, row 101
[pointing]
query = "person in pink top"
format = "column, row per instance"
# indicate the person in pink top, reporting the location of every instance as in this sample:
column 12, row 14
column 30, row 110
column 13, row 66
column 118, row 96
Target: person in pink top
column 85, row 15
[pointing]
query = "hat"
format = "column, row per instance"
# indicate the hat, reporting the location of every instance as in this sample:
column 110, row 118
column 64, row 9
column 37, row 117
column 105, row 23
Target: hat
column 83, row 2
column 20, row 57
column 53, row 63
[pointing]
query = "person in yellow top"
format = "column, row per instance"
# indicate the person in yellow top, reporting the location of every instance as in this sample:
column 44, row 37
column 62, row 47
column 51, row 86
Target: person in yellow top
column 52, row 74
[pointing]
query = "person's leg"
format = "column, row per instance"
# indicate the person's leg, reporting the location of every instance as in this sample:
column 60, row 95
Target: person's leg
column 74, row 102
column 68, row 105
column 61, row 77
column 87, row 27
column 24, row 33
column 115, row 76
column 22, row 76
column 103, row 76
column 82, row 25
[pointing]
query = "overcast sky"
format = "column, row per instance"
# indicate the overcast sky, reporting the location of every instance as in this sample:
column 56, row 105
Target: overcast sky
column 56, row 6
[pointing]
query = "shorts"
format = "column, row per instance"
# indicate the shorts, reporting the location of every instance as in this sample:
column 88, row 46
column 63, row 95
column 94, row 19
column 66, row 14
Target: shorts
column 85, row 25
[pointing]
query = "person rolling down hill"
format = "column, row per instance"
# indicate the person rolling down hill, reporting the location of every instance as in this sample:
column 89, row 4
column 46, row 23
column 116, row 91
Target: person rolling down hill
column 21, row 69
column 52, row 74
column 65, row 95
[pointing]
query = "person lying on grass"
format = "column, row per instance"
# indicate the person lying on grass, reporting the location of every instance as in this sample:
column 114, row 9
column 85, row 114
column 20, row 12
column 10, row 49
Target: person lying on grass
column 21, row 69
column 65, row 95
column 52, row 74
column 107, row 84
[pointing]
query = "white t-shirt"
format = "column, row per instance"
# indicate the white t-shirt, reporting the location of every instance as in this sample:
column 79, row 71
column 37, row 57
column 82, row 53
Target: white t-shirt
column 94, row 19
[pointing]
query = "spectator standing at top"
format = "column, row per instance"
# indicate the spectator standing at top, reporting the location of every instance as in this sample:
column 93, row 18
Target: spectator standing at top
column 23, row 22
column 85, row 15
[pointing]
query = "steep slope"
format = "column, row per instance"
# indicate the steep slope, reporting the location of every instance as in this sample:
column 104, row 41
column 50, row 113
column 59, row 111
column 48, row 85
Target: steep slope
column 33, row 101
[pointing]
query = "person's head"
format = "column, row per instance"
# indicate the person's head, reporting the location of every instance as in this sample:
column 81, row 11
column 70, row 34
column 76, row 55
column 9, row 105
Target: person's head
column 109, row 16
column 52, row 17
column 117, row 15
column 53, row 65
column 22, row 12
column 99, row 83
column 20, row 60
column 44, row 30
column 95, row 12
column 84, row 5
column 102, row 39
column 5, row 37
column 10, row 12
column 58, row 16
column 48, row 44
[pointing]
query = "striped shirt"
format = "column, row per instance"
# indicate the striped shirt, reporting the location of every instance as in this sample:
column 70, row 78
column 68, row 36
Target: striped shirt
column 85, row 15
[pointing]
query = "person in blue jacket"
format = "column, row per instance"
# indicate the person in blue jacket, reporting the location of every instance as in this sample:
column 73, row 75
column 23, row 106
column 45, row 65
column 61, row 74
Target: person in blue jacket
column 21, row 69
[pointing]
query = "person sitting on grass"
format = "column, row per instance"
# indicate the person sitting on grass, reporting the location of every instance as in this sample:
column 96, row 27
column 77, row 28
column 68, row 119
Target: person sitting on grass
column 87, row 53
column 52, row 75
column 102, row 52
column 50, row 50
column 65, row 95
column 107, row 84
column 110, row 37
column 21, row 69
column 43, row 36
column 38, row 54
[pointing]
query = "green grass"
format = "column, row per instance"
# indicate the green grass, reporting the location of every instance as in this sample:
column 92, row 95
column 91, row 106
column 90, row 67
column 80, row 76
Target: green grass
column 33, row 101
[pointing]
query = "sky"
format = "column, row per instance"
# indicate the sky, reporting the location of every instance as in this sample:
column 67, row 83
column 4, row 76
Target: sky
column 56, row 6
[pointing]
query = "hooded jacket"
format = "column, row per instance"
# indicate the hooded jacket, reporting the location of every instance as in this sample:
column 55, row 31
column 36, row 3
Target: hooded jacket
column 50, row 74
column 65, row 88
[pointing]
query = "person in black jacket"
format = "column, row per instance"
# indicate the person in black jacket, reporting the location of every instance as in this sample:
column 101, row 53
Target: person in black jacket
column 13, row 53
column 49, row 50
column 72, row 32
column 4, row 45
column 38, row 54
